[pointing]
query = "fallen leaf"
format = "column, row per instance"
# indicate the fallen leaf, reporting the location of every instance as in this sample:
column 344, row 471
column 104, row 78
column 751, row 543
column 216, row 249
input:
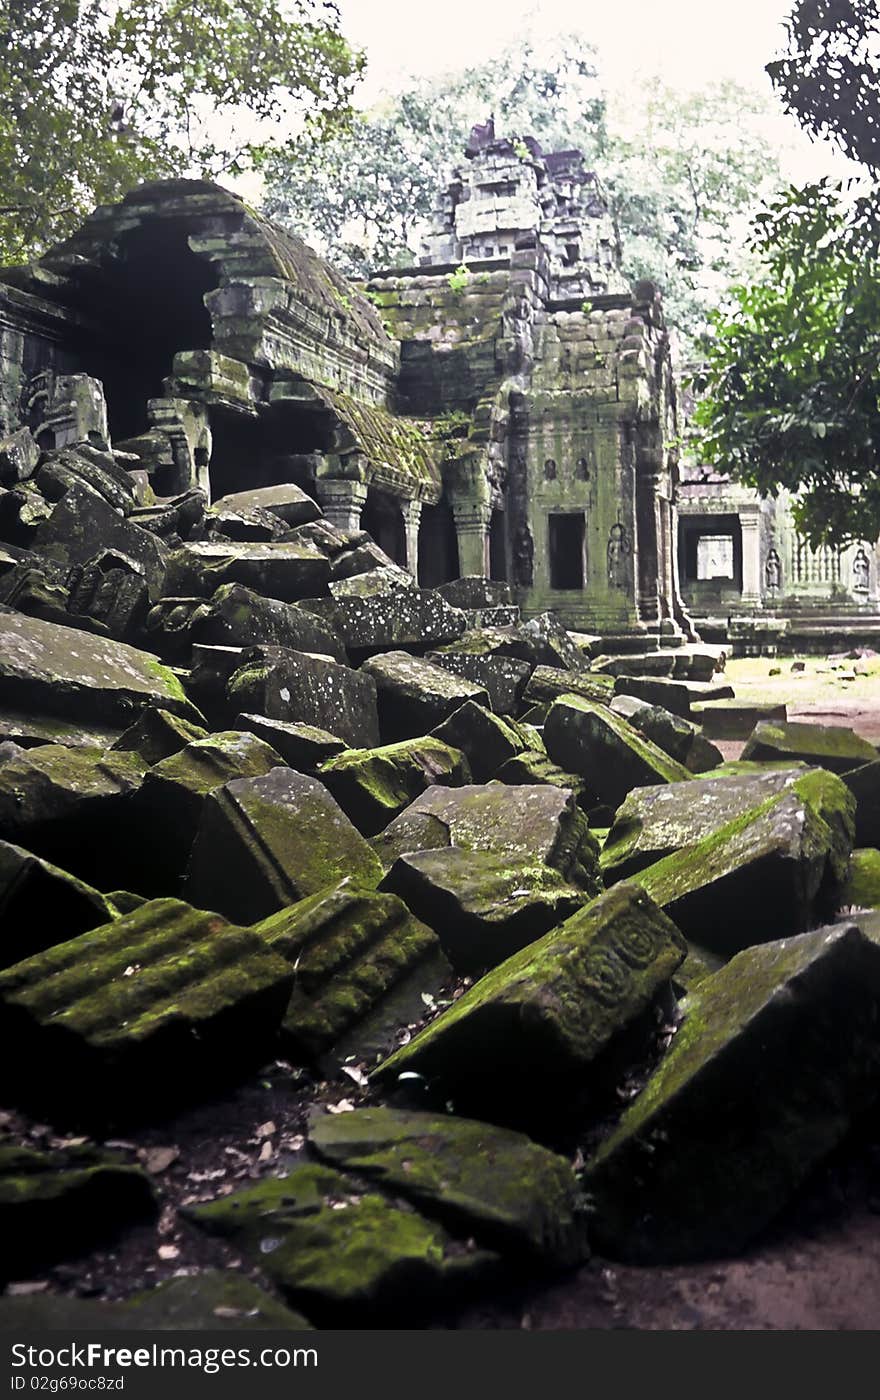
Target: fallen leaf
column 267, row 1152
column 265, row 1130
column 356, row 1074
column 158, row 1159
column 168, row 1251
column 23, row 1290
column 344, row 1106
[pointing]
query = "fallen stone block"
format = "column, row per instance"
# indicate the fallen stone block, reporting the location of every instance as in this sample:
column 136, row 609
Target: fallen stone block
column 533, row 824
column 827, row 746
column 611, row 756
column 41, row 905
column 483, row 906
column 414, row 696
column 544, row 1026
column 864, row 784
column 678, row 737
column 734, row 719
column 676, row 696
column 861, row 889
column 397, row 617
column 55, row 1204
column 345, row 1256
column 552, row 645
column 774, row 870
column 486, row 740
column 547, row 683
column 481, row 1181
column 205, row 1301
column 654, row 822
column 70, row 806
column 269, row 841
column 298, row 688
column 157, row 734
column 777, row 1055
column 372, row 786
column 237, row 616
column 502, row 677
column 111, row 591
column 382, row 582
column 165, row 819
column 534, row 767
column 303, row 746
column 19, row 455
column 360, row 959
column 68, row 675
column 285, row 569
column 288, row 502
column 160, row 1003
column 246, row 526
column 83, row 465
column 474, row 591
column 83, row 525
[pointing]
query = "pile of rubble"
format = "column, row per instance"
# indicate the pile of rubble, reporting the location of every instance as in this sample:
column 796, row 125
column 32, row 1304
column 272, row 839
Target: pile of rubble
column 261, row 795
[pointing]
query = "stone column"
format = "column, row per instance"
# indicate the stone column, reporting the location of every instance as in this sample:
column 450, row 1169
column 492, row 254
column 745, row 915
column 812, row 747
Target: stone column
column 472, row 530
column 342, row 501
column 412, row 516
column 750, row 522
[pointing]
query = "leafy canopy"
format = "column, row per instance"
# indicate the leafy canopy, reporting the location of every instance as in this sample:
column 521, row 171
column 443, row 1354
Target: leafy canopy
column 790, row 387
column 97, row 95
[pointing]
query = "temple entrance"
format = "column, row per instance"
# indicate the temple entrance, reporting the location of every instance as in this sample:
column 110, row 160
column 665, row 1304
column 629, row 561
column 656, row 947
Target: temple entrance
column 382, row 518
column 438, row 546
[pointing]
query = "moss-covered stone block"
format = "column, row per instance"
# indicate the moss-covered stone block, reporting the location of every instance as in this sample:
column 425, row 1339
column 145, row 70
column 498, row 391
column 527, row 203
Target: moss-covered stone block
column 535, row 1030
column 654, row 822
column 477, row 1179
column 285, row 569
column 342, row 1254
column 777, row 1054
column 483, row 906
column 828, row 746
column 164, row 999
column 157, row 734
column 861, row 888
column 294, row 687
column 486, row 739
column 502, row 677
column 415, row 696
column 41, row 905
column 772, row 870
column 352, row 949
column 611, row 756
column 54, row 1204
column 269, row 841
column 864, row 784
column 304, row 746
column 372, row 786
column 213, row 1300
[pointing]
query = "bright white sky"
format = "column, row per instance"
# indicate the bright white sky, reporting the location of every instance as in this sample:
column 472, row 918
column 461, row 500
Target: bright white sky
column 688, row 43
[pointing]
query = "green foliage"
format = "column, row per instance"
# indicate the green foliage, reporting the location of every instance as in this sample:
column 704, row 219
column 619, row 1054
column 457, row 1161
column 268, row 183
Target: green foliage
column 829, row 77
column 790, row 387
column 458, row 279
column 682, row 173
column 96, row 96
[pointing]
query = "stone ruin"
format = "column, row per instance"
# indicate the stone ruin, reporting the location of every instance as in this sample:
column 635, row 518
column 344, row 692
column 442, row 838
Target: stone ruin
column 324, row 820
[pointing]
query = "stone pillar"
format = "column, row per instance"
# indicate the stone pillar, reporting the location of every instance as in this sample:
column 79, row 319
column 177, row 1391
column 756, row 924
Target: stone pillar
column 750, row 522
column 412, row 517
column 342, row 501
column 472, row 531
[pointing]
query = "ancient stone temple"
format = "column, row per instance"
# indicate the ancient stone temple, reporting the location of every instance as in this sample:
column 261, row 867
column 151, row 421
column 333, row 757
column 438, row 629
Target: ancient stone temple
column 750, row 576
column 504, row 409
column 550, row 380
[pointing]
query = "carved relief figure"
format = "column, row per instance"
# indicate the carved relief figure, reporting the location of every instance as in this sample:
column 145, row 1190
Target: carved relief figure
column 618, row 550
column 523, row 556
column 550, row 470
column 861, row 570
column 773, row 572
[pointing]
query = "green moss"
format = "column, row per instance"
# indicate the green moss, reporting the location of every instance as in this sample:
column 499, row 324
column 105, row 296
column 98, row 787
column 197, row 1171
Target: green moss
column 861, row 889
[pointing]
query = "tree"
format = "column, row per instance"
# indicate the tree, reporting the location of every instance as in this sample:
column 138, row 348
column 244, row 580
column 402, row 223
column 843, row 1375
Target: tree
column 96, row 96
column 680, row 172
column 829, row 79
column 789, row 392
